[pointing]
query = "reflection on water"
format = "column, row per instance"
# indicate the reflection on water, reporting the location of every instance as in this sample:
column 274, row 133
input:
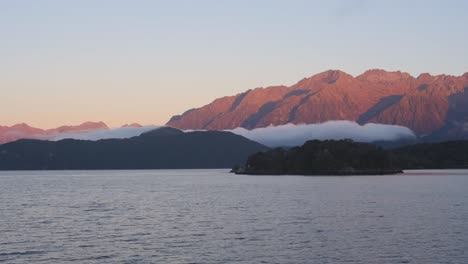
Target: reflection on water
column 210, row 216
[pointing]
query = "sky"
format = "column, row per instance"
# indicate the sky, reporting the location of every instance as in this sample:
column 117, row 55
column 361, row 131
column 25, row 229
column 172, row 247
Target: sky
column 66, row 62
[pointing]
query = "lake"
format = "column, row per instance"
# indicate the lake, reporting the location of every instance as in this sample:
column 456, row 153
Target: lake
column 211, row 216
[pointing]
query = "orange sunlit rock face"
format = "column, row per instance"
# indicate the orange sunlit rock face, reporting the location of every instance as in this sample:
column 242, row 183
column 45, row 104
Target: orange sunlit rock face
column 376, row 96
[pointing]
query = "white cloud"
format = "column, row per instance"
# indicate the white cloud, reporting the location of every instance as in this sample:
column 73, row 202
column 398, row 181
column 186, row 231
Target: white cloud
column 295, row 135
column 273, row 136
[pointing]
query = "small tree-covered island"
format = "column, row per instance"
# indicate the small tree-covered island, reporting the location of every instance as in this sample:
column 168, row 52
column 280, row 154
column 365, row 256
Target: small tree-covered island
column 345, row 157
column 330, row 157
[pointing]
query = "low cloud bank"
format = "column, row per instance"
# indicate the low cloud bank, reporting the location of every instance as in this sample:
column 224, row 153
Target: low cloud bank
column 123, row 132
column 295, row 135
column 274, row 136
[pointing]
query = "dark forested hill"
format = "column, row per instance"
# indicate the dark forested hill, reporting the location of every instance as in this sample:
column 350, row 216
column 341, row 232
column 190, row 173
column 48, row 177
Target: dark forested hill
column 442, row 155
column 329, row 157
column 164, row 148
column 345, row 157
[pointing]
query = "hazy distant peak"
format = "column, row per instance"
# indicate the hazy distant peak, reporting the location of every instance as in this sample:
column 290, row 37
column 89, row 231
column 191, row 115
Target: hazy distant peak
column 86, row 126
column 89, row 124
column 23, row 130
column 21, row 125
column 132, row 125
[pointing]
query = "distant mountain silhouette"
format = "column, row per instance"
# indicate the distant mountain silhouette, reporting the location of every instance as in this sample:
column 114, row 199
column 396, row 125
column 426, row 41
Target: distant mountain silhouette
column 132, row 125
column 21, row 131
column 425, row 104
column 164, row 148
column 439, row 155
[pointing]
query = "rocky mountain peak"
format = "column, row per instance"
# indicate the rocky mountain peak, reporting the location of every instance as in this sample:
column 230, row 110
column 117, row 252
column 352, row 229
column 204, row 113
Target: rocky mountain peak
column 379, row 75
column 376, row 96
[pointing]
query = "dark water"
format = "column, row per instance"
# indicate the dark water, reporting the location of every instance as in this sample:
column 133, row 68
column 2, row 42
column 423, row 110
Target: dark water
column 210, row 216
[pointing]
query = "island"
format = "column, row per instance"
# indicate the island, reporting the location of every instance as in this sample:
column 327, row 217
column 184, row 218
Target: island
column 329, row 157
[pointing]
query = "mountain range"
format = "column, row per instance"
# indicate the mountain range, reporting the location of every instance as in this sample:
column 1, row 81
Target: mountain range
column 434, row 106
column 162, row 148
column 22, row 131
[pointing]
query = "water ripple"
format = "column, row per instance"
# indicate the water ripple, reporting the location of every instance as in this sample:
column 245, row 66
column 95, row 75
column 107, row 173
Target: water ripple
column 210, row 216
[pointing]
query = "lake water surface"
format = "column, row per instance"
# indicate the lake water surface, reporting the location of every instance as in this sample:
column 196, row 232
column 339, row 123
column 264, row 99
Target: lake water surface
column 211, row 216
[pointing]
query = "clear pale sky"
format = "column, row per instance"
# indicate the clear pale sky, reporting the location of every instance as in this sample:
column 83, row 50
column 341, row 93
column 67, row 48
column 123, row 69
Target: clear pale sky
column 66, row 62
